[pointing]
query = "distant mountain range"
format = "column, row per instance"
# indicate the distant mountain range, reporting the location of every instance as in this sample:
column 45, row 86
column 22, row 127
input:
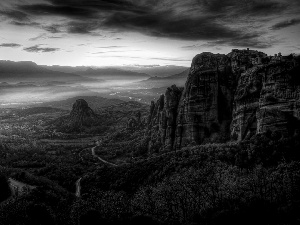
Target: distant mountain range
column 177, row 79
column 182, row 75
column 27, row 71
column 113, row 74
column 155, row 70
column 66, row 69
column 31, row 72
column 158, row 71
column 26, row 83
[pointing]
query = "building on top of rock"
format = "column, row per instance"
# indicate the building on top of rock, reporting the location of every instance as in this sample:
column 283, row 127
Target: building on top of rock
column 244, row 59
column 276, row 58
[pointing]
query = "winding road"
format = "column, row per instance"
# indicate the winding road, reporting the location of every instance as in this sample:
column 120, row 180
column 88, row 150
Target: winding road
column 78, row 186
column 102, row 160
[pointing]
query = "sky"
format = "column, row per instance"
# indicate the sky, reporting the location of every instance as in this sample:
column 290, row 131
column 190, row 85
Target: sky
column 143, row 32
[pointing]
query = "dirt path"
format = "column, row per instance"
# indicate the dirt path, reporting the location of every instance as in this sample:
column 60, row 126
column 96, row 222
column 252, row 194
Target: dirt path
column 78, row 185
column 102, row 160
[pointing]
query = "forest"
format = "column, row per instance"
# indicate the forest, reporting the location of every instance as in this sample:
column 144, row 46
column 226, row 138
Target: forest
column 252, row 182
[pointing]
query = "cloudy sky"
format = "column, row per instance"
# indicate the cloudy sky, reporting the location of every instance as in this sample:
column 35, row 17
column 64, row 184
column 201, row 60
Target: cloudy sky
column 143, row 32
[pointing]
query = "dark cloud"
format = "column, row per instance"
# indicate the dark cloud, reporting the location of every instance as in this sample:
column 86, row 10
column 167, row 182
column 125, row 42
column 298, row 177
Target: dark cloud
column 55, row 37
column 37, row 48
column 265, row 8
column 191, row 47
column 185, row 28
column 208, row 20
column 78, row 9
column 54, row 29
column 29, row 24
column 286, row 23
column 50, row 10
column 251, row 43
column 41, row 36
column 249, row 40
column 15, row 15
column 102, row 5
column 111, row 47
column 240, row 8
column 10, row 45
column 75, row 27
column 163, row 25
column 117, row 51
column 44, row 36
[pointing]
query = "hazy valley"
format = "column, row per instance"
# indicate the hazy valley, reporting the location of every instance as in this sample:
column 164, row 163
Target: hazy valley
column 38, row 84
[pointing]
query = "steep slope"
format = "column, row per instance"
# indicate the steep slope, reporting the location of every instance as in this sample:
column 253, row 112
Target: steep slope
column 162, row 119
column 205, row 108
column 267, row 100
column 230, row 97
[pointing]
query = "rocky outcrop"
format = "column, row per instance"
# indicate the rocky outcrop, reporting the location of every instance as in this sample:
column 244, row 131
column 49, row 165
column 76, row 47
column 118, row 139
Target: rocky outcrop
column 228, row 97
column 82, row 114
column 136, row 122
column 204, row 111
column 246, row 103
column 81, row 118
column 267, row 99
column 162, row 119
column 279, row 103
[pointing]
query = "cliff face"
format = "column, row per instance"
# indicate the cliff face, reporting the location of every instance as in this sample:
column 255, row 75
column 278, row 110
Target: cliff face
column 267, row 99
column 279, row 103
column 228, row 97
column 204, row 111
column 162, row 119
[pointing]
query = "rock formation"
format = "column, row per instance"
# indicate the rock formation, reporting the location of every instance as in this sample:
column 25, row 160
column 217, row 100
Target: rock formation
column 228, row 97
column 162, row 118
column 135, row 122
column 82, row 114
column 204, row 111
column 267, row 98
column 80, row 118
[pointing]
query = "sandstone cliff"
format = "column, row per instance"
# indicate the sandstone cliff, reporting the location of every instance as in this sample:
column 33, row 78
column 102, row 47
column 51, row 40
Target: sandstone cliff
column 228, row 97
